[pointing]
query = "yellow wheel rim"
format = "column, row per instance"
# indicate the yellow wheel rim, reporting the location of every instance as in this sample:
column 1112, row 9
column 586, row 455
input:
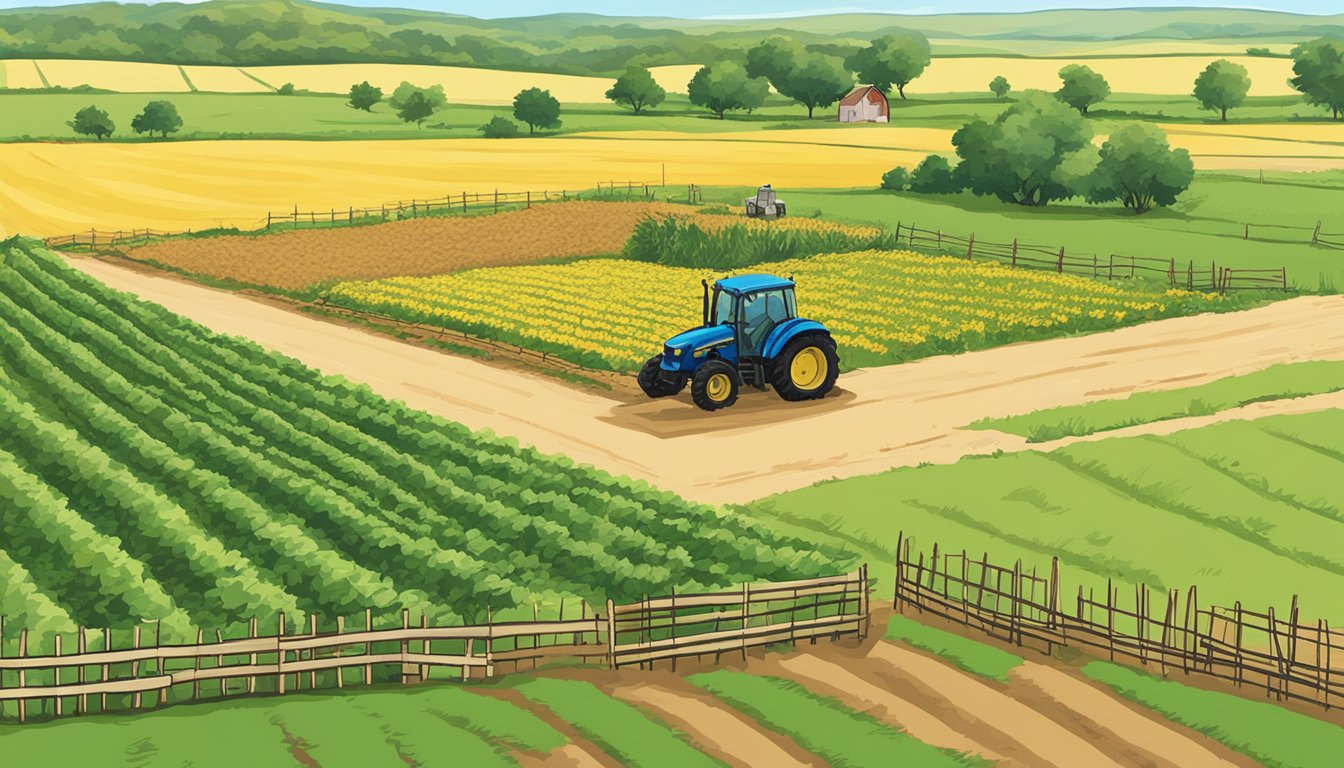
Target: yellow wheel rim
column 808, row 369
column 718, row 387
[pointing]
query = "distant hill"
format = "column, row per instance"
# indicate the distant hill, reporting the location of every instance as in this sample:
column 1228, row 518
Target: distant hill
column 258, row 32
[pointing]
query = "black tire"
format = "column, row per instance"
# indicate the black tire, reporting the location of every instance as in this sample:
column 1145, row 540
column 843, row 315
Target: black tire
column 751, row 211
column 707, row 385
column 782, row 375
column 779, row 210
column 651, row 381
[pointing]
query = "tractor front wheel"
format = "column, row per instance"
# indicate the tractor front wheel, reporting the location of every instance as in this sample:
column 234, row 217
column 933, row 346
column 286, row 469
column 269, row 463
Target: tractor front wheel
column 652, row 381
column 715, row 385
column 806, row 369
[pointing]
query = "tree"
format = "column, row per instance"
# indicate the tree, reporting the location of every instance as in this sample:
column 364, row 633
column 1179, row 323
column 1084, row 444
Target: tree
column 1082, row 87
column 816, row 81
column 1222, row 85
column 999, row 86
column 1139, row 168
column 364, row 96
column 896, row 179
column 416, row 109
column 1029, row 154
column 537, row 108
column 892, row 60
column 92, row 121
column 637, row 88
column 726, row 86
column 934, row 175
column 157, row 117
column 433, row 95
column 285, row 90
column 499, row 128
column 1319, row 70
column 773, row 58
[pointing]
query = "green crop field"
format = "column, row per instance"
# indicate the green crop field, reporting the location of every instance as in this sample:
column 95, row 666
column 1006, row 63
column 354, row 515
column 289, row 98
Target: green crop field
column 1246, row 510
column 152, row 470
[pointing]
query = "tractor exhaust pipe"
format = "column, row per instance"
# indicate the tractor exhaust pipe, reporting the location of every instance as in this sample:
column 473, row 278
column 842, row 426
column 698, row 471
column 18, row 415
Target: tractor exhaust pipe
column 704, row 311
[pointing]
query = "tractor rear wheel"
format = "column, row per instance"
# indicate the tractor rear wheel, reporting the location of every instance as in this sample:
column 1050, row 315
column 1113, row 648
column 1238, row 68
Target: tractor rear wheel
column 715, row 385
column 806, row 369
column 652, row 382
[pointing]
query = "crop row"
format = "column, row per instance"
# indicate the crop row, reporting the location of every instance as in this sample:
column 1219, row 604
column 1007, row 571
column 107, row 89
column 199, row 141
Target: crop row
column 157, row 471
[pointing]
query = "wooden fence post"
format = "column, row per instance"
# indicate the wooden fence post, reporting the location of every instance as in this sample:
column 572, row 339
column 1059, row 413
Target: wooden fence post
column 107, row 668
column 1246, row 234
column 1316, row 234
column 368, row 647
column 529, row 200
column 312, row 630
column 611, row 634
column 135, row 666
column 912, row 235
column 970, row 246
column 23, row 652
column 496, row 201
column 896, row 589
column 56, row 678
column 1060, row 265
column 1014, row 251
column 268, row 220
column 340, row 671
column 746, row 616
column 280, row 656
column 196, row 681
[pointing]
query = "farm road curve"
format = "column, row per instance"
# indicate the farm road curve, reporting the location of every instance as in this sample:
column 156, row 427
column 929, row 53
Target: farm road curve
column 884, row 417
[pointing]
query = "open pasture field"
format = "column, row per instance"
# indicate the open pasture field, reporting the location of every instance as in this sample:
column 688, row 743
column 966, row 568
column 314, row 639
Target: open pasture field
column 1161, row 75
column 426, row 246
column 150, row 469
column 883, row 307
column 1246, row 510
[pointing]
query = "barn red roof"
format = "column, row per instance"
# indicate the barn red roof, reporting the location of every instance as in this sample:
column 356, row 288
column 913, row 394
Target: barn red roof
column 855, row 96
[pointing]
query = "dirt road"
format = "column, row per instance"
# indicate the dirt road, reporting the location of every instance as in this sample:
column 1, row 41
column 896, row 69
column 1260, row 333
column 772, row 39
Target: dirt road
column 882, row 418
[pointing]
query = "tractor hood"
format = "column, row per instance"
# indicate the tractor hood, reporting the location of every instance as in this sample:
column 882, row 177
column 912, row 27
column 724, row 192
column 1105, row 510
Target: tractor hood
column 689, row 341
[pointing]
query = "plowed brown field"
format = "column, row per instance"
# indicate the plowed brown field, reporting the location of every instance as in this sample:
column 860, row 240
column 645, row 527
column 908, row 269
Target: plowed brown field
column 416, row 247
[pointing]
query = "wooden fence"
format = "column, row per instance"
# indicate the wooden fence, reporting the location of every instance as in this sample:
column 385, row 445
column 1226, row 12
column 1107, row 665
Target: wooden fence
column 1288, row 657
column 145, row 673
column 390, row 211
column 668, row 628
column 1327, row 239
column 1110, row 267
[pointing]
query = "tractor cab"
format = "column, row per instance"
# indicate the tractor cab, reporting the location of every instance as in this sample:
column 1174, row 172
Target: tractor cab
column 765, row 205
column 750, row 334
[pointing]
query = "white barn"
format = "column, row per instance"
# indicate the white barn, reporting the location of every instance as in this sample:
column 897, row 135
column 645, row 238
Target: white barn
column 864, row 104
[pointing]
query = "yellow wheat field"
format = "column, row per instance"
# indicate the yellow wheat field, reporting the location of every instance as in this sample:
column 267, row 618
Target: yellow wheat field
column 882, row 306
column 1167, row 76
column 51, row 189
column 21, row 73
column 115, row 75
column 222, row 80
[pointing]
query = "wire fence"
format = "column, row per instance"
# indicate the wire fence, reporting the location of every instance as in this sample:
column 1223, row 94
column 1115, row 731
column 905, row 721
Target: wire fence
column 1018, row 254
column 1289, row 657
column 398, row 210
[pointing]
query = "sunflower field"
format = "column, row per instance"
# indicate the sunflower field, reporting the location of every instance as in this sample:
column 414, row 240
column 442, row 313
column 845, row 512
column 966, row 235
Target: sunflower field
column 882, row 306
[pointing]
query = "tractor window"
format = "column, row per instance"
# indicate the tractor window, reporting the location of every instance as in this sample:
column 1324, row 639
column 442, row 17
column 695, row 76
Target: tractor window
column 761, row 312
column 790, row 303
column 723, row 308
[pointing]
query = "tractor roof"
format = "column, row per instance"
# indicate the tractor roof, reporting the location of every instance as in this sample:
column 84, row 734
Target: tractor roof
column 740, row 284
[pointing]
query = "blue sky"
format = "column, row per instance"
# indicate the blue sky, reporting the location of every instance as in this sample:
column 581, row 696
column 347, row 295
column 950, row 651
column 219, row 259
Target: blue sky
column 718, row 8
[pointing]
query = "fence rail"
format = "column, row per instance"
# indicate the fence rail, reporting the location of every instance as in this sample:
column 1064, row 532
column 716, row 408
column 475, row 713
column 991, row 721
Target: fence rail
column 1288, row 657
column 390, row 211
column 664, row 628
column 673, row 627
column 1110, row 266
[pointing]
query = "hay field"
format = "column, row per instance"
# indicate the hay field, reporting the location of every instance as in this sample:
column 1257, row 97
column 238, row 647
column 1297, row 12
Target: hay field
column 222, row 80
column 52, row 189
column 129, row 76
column 21, row 73
column 1169, row 76
column 417, row 247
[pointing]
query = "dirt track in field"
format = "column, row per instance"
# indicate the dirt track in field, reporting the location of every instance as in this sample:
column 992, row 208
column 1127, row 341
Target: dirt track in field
column 878, row 419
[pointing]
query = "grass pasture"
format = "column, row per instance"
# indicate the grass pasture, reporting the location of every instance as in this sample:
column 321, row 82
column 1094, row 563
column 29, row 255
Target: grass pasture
column 1279, row 382
column 1246, row 510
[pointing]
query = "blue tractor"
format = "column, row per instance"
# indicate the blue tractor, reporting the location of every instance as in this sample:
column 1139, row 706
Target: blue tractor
column 751, row 334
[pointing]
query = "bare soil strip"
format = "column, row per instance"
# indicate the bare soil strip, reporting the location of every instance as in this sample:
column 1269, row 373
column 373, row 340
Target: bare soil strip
column 831, row 679
column 714, row 728
column 1042, row 741
column 898, row 415
column 568, row 756
column 1156, row 742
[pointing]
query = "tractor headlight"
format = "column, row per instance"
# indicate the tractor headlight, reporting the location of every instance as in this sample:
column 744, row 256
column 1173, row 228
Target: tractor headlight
column 676, row 351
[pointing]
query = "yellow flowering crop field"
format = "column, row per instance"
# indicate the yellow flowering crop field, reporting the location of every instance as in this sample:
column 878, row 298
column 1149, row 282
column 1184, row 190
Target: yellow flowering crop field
column 882, row 306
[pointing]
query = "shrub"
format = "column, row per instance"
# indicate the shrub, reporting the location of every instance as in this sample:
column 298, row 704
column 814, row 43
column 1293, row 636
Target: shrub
column 500, row 128
column 934, row 175
column 896, row 179
column 285, row 90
